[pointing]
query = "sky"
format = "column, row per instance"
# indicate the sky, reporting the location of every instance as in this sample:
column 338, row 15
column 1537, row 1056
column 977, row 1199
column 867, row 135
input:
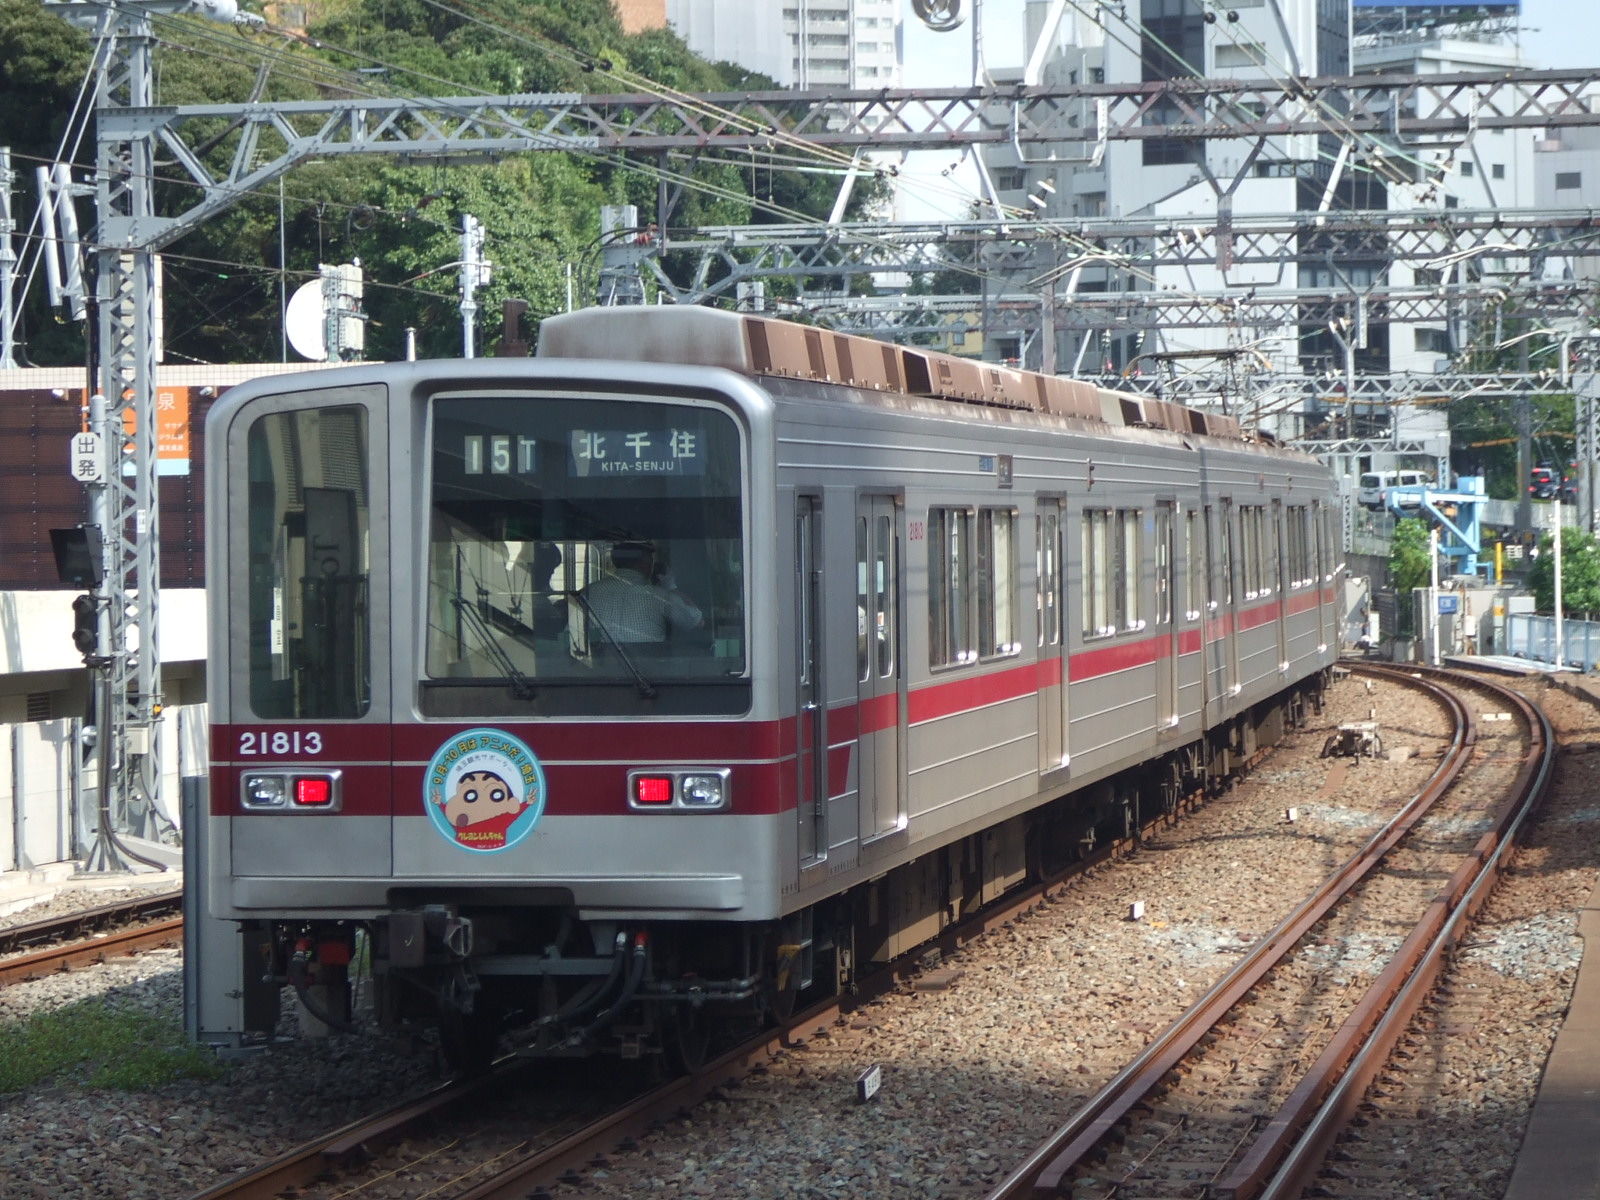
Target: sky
column 1555, row 33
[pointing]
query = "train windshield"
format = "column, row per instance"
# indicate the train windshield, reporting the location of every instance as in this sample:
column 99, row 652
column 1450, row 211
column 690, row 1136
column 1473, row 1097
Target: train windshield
column 584, row 540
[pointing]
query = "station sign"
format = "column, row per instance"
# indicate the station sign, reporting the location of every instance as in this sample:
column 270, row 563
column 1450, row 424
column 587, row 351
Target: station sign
column 172, row 430
column 86, row 457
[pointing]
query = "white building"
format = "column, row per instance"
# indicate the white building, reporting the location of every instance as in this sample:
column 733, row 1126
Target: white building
column 844, row 43
column 800, row 43
column 1566, row 174
column 1183, row 181
column 752, row 35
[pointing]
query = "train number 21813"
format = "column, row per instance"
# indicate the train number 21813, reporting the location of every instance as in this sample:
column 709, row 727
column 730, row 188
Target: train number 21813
column 280, row 741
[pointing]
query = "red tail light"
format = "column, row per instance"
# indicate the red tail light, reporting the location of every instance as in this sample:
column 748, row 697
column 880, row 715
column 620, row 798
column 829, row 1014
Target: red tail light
column 313, row 793
column 652, row 789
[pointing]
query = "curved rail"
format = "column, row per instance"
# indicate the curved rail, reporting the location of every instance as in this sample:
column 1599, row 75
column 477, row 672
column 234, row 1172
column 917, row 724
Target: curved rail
column 1296, row 1140
column 1047, row 1171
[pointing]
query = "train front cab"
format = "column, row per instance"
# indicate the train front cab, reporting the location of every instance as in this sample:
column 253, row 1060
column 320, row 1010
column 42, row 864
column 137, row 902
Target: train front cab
column 426, row 729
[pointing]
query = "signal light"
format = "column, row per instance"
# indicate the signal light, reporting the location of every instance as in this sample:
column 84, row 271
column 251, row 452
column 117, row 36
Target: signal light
column 85, row 624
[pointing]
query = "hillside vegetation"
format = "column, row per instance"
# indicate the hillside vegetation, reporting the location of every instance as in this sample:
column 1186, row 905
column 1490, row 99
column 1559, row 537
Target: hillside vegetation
column 223, row 283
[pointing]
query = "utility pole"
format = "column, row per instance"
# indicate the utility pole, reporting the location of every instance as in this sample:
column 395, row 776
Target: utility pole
column 129, row 726
column 1586, row 396
column 1522, row 414
column 8, row 263
column 474, row 274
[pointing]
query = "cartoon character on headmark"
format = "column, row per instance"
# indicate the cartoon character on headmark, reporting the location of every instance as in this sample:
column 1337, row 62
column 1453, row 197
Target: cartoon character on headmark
column 485, row 790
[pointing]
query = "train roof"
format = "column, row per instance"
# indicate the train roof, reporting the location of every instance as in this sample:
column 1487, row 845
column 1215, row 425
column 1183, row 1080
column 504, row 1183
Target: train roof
column 753, row 345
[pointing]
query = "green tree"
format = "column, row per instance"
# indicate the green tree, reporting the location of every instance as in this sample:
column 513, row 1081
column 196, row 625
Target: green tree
column 1409, row 564
column 1484, row 429
column 1580, row 573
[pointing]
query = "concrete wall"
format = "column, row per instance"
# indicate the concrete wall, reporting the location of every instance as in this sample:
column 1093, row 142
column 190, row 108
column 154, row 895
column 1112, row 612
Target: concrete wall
column 48, row 794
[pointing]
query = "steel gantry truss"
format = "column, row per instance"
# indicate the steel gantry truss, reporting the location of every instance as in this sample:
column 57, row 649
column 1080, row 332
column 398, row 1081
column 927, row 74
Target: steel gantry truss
column 844, row 253
column 268, row 139
column 1248, row 310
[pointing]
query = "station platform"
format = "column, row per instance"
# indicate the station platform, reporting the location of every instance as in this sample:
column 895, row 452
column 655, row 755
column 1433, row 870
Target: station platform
column 1560, row 1154
column 1506, row 664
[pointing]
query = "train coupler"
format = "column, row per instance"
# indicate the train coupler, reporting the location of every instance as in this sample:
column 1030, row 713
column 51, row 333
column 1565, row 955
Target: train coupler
column 415, row 938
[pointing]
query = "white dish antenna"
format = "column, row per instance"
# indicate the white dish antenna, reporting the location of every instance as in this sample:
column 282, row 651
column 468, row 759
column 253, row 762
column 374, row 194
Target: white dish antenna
column 304, row 324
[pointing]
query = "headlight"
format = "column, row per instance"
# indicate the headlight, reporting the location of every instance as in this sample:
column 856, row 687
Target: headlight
column 704, row 791
column 264, row 791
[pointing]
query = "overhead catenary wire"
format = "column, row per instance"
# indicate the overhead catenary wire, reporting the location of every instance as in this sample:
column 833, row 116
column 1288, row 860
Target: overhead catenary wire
column 1092, row 252
column 641, row 83
column 611, row 159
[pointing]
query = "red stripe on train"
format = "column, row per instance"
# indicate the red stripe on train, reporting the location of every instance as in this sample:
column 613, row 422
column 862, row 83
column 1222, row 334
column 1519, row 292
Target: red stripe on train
column 600, row 788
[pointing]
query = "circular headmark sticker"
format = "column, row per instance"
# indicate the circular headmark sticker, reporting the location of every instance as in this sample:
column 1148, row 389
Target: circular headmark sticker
column 484, row 790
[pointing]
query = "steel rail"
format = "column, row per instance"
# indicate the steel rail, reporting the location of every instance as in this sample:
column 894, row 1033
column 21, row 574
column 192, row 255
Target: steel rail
column 51, row 929
column 119, row 943
column 1294, row 1143
column 1045, row 1171
column 561, row 1160
column 316, row 1158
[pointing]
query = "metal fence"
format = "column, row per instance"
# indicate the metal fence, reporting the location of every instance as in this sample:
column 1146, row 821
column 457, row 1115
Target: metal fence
column 1531, row 636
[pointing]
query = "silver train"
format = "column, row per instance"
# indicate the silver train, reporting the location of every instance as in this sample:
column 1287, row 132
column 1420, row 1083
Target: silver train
column 608, row 699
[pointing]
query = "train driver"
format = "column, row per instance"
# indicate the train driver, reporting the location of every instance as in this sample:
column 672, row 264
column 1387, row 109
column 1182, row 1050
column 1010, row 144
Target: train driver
column 634, row 603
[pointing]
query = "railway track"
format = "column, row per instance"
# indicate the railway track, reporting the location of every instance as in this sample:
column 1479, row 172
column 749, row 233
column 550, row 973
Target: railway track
column 1242, row 1096
column 90, row 936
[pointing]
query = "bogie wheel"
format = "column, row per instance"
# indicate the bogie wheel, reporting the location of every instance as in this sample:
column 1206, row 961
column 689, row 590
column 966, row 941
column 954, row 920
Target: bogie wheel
column 469, row 1041
column 686, row 1037
column 783, row 990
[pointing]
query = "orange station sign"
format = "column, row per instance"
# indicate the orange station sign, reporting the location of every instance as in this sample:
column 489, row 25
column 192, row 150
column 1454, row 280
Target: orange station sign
column 172, row 429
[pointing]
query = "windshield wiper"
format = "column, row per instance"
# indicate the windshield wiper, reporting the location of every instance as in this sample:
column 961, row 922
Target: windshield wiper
column 518, row 684
column 646, row 688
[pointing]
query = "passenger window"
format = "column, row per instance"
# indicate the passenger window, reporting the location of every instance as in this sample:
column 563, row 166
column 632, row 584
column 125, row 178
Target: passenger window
column 309, row 564
column 1097, row 573
column 1129, row 549
column 997, row 584
column 1195, row 559
column 863, row 604
column 886, row 574
column 949, row 587
column 1047, row 572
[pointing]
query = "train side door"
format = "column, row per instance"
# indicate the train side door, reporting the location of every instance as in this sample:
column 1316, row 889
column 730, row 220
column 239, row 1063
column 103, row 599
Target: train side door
column 1049, row 603
column 309, row 613
column 880, row 705
column 811, row 745
column 1166, row 627
column 1195, row 595
column 1321, row 573
column 1229, row 595
column 1279, row 574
